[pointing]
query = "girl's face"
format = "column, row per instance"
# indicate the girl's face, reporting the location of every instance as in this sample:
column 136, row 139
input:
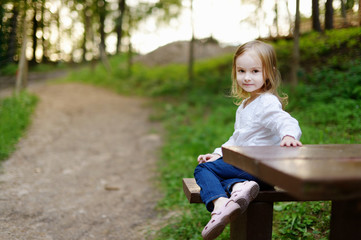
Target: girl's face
column 249, row 73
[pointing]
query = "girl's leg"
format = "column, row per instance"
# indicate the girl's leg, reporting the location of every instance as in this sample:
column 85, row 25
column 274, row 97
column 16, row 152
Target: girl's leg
column 210, row 183
column 216, row 180
column 235, row 175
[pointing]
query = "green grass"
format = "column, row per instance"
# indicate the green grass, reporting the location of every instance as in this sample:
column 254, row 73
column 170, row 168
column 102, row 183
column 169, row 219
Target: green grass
column 205, row 121
column 198, row 116
column 15, row 113
column 9, row 69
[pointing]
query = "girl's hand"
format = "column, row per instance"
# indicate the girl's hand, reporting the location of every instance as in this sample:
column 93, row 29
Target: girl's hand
column 289, row 141
column 208, row 158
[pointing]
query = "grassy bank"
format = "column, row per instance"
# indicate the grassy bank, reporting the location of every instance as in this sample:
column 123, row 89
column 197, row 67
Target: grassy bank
column 198, row 117
column 328, row 108
column 15, row 113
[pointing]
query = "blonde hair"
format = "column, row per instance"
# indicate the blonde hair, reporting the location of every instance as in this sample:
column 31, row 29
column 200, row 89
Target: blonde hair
column 272, row 76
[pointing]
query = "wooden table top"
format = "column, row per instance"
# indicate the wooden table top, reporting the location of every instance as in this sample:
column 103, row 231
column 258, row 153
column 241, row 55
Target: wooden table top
column 310, row 172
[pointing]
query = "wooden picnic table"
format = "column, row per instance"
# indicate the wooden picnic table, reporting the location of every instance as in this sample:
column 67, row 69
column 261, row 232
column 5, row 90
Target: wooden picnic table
column 311, row 172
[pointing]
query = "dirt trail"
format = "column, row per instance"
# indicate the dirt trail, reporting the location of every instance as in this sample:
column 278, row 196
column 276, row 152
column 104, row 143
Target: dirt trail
column 85, row 169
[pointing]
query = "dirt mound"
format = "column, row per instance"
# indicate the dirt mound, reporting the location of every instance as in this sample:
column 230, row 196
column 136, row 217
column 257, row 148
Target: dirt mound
column 178, row 52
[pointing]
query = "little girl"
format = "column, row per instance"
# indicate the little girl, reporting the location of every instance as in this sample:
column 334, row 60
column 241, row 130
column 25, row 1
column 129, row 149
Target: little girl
column 260, row 120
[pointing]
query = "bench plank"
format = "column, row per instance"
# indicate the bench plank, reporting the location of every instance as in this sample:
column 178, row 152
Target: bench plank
column 192, row 192
column 258, row 216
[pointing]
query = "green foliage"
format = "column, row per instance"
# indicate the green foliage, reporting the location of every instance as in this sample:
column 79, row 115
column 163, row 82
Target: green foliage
column 194, row 125
column 332, row 100
column 15, row 115
column 198, row 117
column 301, row 220
column 98, row 75
column 47, row 67
column 333, row 48
column 9, row 69
column 327, row 105
column 159, row 81
column 170, row 80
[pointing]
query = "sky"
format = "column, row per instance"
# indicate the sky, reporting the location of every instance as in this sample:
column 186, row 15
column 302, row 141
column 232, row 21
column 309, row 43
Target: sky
column 228, row 21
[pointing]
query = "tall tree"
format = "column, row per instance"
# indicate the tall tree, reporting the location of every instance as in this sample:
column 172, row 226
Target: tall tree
column 289, row 17
column 2, row 37
column 163, row 11
column 12, row 40
column 316, row 25
column 42, row 27
column 329, row 15
column 22, row 74
column 102, row 4
column 343, row 12
column 275, row 21
column 35, row 29
column 119, row 23
column 87, row 23
column 191, row 47
column 296, row 47
column 359, row 12
column 102, row 15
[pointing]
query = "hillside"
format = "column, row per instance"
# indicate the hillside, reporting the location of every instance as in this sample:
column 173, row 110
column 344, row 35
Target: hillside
column 178, row 52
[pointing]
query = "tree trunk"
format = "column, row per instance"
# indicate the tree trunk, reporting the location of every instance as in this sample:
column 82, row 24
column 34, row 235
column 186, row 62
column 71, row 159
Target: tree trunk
column 102, row 47
column 119, row 24
column 87, row 29
column 289, row 18
column 102, row 15
column 22, row 74
column 130, row 58
column 343, row 13
column 329, row 15
column 58, row 47
column 2, row 37
column 12, row 46
column 130, row 52
column 35, row 28
column 316, row 25
column 42, row 25
column 359, row 12
column 191, row 49
column 276, row 19
column 104, row 58
column 296, row 49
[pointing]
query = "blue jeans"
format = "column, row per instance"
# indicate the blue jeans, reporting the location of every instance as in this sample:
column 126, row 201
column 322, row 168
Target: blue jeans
column 217, row 178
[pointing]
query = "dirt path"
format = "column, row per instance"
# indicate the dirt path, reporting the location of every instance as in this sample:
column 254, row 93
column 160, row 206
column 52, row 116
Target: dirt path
column 85, row 170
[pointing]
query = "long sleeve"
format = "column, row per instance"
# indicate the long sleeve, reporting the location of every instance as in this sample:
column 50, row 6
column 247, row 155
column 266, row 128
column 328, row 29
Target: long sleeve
column 271, row 115
column 262, row 123
column 232, row 141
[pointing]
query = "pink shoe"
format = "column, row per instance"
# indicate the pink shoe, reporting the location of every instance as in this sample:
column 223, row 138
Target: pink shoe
column 219, row 220
column 247, row 194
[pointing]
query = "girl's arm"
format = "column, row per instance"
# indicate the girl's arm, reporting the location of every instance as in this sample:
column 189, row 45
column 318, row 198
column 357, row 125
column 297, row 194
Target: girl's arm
column 272, row 116
column 231, row 141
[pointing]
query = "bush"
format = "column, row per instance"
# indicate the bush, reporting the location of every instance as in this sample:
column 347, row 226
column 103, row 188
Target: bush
column 334, row 48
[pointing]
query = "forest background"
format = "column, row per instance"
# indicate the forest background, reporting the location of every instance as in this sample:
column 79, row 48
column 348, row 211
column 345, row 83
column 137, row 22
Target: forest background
column 194, row 108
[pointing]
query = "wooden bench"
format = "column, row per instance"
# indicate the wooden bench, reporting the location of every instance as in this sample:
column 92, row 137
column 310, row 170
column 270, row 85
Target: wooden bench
column 256, row 222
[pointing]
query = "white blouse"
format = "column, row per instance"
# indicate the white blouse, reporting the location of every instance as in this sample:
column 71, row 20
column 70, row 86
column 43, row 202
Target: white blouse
column 262, row 122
